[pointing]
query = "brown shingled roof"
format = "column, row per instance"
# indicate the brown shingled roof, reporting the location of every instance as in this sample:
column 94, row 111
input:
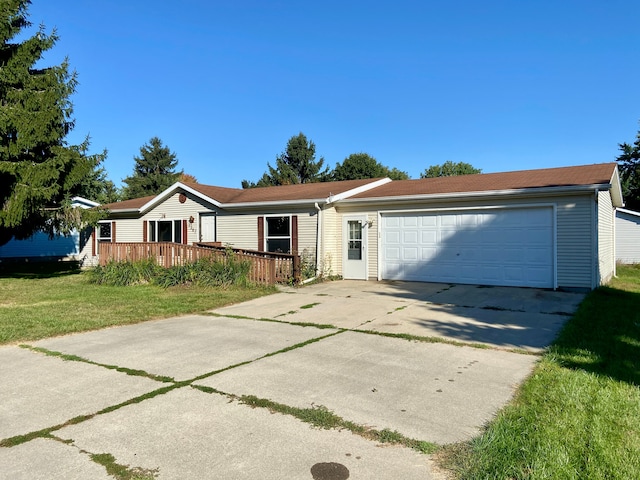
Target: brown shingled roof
column 485, row 182
column 224, row 195
column 303, row 191
column 132, row 204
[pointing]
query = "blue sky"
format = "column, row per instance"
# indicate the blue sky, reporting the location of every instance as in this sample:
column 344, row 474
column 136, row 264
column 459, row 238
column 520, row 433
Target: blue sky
column 503, row 85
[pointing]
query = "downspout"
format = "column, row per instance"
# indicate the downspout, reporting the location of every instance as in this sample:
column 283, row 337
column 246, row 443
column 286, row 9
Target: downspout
column 318, row 238
column 595, row 283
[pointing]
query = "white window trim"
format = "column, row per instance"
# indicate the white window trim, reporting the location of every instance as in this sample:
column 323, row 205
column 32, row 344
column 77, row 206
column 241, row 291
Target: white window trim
column 266, row 228
column 105, row 239
column 173, row 228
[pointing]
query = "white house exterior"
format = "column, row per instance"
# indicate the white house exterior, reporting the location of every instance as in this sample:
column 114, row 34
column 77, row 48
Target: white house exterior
column 627, row 236
column 548, row 228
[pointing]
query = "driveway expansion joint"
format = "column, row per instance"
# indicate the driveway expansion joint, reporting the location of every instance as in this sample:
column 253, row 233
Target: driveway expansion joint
column 76, row 358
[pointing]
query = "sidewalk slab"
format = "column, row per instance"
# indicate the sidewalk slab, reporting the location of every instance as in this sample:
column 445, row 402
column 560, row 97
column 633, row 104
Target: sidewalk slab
column 42, row 459
column 191, row 434
column 428, row 391
column 183, row 347
column 39, row 391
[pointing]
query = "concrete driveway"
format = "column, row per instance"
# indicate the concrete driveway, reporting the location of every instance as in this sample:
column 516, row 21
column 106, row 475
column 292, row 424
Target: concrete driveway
column 164, row 396
column 502, row 317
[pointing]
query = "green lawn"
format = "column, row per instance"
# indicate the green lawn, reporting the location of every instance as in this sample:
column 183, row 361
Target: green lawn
column 578, row 415
column 43, row 300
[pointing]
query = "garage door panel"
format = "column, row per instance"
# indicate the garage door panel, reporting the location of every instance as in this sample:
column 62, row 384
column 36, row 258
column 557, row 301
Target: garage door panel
column 501, row 247
column 538, row 256
column 428, row 236
column 428, row 253
column 392, row 254
column 410, row 237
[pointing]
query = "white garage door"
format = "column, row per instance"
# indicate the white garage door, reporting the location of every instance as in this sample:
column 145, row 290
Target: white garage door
column 511, row 247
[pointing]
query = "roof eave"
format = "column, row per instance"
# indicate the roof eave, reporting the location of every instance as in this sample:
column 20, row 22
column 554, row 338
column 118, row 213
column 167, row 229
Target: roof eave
column 355, row 191
column 277, row 203
column 616, row 189
column 479, row 194
column 162, row 196
column 629, row 212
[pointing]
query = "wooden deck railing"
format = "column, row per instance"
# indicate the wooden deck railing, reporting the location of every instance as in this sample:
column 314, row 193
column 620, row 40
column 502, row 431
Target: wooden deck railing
column 266, row 268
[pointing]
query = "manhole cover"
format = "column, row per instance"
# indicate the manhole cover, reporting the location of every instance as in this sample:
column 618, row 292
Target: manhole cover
column 329, row 471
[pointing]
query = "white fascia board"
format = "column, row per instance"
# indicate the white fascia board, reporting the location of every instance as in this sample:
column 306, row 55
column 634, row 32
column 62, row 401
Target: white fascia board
column 278, row 203
column 616, row 189
column 170, row 191
column 629, row 212
column 356, row 191
column 84, row 202
column 535, row 191
column 125, row 210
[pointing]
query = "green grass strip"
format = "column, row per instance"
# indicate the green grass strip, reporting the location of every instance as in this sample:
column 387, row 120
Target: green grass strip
column 75, row 358
column 455, row 343
column 310, row 305
column 122, row 472
column 46, row 432
column 321, row 417
column 578, row 415
column 321, row 326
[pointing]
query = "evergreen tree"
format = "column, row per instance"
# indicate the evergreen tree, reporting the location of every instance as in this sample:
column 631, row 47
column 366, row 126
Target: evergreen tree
column 297, row 164
column 363, row 165
column 154, row 171
column 97, row 187
column 39, row 171
column 450, row 169
column 629, row 163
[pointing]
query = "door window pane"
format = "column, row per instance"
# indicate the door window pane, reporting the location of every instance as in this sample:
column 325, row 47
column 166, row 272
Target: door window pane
column 354, row 250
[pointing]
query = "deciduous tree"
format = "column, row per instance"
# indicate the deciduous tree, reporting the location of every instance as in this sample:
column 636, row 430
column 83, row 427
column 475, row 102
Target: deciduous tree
column 39, row 171
column 449, row 169
column 363, row 165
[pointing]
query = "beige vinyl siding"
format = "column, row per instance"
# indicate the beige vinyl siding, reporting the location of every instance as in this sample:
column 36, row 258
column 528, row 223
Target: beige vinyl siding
column 172, row 209
column 128, row 230
column 307, row 228
column 372, row 245
column 241, row 231
column 606, row 250
column 331, row 261
column 574, row 231
column 238, row 231
column 627, row 237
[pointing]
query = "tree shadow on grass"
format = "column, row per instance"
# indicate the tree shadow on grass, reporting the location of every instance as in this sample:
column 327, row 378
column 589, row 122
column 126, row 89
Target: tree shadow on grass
column 603, row 337
column 38, row 269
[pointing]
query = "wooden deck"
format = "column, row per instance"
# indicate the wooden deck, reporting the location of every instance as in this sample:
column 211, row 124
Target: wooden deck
column 266, row 268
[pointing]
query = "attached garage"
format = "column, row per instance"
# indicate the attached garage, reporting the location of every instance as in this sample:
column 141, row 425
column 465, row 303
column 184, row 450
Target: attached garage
column 549, row 228
column 509, row 247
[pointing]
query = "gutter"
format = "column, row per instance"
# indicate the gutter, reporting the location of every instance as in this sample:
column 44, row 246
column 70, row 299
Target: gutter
column 534, row 191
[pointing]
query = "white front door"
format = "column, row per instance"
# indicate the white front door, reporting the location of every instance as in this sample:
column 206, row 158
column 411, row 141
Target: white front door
column 207, row 227
column 354, row 247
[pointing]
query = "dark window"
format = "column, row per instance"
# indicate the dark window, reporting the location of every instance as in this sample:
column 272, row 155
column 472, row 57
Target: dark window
column 104, row 232
column 278, row 234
